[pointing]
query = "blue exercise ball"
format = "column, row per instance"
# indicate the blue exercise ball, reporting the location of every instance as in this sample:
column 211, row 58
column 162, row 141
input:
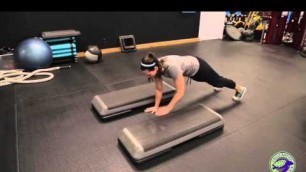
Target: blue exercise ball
column 32, row 54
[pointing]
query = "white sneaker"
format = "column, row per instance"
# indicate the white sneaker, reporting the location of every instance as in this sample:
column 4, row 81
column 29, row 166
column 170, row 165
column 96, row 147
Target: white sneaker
column 217, row 89
column 238, row 95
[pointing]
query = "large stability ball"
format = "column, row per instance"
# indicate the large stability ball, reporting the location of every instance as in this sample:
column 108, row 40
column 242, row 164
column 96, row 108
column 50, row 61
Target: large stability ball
column 32, row 54
column 93, row 54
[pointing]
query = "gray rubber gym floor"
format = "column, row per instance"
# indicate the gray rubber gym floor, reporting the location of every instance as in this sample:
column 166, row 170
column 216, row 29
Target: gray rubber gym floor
column 51, row 127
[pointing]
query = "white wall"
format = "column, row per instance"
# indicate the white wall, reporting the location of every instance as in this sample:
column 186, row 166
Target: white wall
column 211, row 25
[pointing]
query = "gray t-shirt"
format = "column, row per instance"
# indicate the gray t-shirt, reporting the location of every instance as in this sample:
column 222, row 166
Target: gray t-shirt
column 187, row 65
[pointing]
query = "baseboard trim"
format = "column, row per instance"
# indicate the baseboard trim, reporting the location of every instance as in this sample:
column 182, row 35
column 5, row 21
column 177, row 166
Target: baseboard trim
column 147, row 45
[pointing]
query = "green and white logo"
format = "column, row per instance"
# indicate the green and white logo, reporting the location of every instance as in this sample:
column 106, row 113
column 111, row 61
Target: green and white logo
column 282, row 161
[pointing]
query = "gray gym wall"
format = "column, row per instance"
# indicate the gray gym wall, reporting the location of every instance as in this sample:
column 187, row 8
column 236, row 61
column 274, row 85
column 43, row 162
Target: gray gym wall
column 100, row 28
